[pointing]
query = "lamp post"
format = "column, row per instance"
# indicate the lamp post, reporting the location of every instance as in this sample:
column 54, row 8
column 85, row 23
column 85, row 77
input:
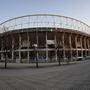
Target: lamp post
column 35, row 49
column 59, row 61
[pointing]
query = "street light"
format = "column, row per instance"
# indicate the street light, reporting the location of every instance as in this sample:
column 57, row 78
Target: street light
column 35, row 49
column 59, row 61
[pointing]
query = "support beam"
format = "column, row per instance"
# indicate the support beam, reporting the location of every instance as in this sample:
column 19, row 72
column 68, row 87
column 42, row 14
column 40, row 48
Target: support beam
column 76, row 46
column 85, row 46
column 55, row 45
column 81, row 46
column 88, row 46
column 46, row 48
column 70, row 45
column 28, row 58
column 12, row 48
column 37, row 49
column 19, row 48
column 63, row 46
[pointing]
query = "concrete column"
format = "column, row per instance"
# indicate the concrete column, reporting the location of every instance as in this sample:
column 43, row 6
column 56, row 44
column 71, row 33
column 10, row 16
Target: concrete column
column 70, row 45
column 37, row 42
column 88, row 43
column 46, row 47
column 19, row 48
column 81, row 46
column 55, row 46
column 28, row 56
column 88, row 46
column 76, row 46
column 28, row 46
column 85, row 46
column 63, row 45
column 12, row 48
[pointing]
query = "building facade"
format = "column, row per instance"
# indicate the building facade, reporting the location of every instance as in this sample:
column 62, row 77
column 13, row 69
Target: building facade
column 56, row 37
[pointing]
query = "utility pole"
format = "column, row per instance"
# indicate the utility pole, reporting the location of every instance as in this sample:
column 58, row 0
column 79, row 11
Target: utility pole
column 59, row 61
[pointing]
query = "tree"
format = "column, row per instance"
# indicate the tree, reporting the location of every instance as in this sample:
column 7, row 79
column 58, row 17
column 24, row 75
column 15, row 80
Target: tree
column 4, row 47
column 5, row 44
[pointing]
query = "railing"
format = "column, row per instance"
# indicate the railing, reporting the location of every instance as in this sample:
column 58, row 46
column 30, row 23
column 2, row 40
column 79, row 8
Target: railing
column 44, row 20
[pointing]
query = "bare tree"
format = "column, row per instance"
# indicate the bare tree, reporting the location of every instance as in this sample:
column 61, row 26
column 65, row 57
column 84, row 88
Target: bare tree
column 5, row 45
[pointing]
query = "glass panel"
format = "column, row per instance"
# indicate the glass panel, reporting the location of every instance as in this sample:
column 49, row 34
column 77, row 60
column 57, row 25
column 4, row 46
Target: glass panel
column 9, row 54
column 41, row 39
column 79, row 53
column 59, row 40
column 42, row 56
column 74, row 53
column 24, row 57
column 68, row 54
column 87, row 43
column 32, row 56
column 32, row 38
column 24, row 41
column 51, row 56
column 0, row 56
column 73, row 41
column 66, row 41
column 16, row 41
column 0, row 43
column 16, row 55
column 83, row 44
column 78, row 43
column 84, row 53
column 50, row 39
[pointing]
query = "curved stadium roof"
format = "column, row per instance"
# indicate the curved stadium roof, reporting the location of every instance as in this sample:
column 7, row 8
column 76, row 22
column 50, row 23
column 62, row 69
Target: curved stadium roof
column 44, row 20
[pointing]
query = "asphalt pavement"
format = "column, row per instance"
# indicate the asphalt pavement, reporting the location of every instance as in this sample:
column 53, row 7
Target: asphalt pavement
column 65, row 77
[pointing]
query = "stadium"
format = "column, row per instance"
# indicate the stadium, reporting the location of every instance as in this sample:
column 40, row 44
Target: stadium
column 44, row 37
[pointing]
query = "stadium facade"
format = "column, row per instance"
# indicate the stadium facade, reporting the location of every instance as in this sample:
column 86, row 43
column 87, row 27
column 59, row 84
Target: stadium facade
column 46, row 37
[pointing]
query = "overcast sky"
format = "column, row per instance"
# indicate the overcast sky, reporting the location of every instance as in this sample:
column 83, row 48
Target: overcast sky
column 79, row 9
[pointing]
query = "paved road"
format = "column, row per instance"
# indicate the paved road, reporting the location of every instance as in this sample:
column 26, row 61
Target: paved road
column 67, row 77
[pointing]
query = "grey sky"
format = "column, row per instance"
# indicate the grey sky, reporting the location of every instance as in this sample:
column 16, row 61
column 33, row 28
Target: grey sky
column 78, row 9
